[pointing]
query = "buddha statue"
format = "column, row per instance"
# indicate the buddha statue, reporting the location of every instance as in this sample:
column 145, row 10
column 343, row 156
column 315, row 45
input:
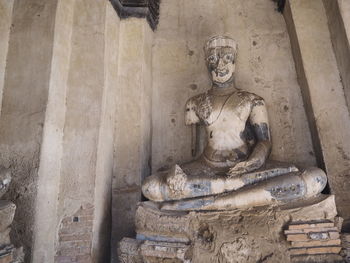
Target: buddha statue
column 233, row 171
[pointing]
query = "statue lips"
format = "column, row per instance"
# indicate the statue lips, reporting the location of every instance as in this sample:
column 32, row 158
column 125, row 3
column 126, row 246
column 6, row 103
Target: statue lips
column 222, row 73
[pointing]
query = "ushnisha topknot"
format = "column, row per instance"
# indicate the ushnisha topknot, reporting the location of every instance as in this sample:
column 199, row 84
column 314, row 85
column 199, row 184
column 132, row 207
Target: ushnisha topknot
column 220, row 41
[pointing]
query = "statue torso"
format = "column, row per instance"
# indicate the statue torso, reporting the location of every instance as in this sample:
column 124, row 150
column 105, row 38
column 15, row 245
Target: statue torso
column 229, row 138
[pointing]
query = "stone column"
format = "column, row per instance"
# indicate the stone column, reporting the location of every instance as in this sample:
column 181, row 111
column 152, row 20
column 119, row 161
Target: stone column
column 133, row 125
column 323, row 94
column 24, row 101
column 58, row 123
column 6, row 8
column 84, row 196
column 45, row 225
column 338, row 13
column 105, row 153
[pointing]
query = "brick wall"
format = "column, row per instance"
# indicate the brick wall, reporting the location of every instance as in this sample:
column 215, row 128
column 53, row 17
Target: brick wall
column 75, row 237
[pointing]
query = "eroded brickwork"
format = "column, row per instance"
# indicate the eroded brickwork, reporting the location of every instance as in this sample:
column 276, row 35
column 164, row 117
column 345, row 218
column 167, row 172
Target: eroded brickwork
column 75, row 237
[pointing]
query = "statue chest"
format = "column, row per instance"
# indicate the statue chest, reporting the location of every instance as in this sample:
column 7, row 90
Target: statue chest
column 224, row 112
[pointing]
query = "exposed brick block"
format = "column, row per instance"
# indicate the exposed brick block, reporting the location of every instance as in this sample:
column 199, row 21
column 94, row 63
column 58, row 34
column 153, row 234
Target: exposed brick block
column 313, row 236
column 75, row 237
column 6, row 258
column 316, row 243
column 302, row 226
column 308, row 230
column 314, row 250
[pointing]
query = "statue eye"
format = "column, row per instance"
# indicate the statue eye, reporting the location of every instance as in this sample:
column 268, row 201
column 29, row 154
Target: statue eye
column 228, row 57
column 212, row 59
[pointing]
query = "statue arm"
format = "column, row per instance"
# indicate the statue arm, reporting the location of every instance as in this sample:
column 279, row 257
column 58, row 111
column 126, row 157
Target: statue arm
column 259, row 121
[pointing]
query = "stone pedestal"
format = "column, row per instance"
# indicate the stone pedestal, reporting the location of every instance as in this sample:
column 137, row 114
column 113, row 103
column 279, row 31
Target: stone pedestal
column 253, row 235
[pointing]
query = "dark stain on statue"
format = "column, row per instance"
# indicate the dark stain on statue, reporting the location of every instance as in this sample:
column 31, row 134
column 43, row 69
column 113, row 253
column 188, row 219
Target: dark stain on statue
column 248, row 135
column 201, row 188
column 262, row 131
column 252, row 178
column 240, row 155
column 258, row 102
column 196, row 203
column 288, row 190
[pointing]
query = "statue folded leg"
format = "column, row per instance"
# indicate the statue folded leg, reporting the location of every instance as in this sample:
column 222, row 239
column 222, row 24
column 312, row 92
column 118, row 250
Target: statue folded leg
column 277, row 190
column 197, row 179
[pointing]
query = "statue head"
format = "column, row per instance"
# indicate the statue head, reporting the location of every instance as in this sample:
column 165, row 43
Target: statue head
column 220, row 55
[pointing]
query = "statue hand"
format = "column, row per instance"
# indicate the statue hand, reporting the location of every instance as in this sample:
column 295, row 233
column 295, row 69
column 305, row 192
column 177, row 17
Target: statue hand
column 244, row 167
column 238, row 169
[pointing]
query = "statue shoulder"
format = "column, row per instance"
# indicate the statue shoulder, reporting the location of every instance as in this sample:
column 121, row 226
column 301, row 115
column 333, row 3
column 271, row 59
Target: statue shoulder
column 256, row 100
column 198, row 108
column 195, row 100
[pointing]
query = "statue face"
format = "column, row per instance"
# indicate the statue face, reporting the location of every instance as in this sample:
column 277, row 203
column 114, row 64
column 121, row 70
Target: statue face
column 221, row 64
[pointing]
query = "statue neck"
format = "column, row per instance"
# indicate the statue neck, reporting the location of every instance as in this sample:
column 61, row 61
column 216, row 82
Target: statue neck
column 222, row 88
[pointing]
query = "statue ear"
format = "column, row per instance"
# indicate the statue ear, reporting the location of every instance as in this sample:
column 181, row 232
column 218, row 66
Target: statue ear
column 191, row 113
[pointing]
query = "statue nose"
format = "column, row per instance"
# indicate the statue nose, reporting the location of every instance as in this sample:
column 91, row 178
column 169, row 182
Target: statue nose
column 221, row 64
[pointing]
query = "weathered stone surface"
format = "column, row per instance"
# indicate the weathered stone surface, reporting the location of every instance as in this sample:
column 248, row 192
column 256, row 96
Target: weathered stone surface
column 150, row 221
column 313, row 209
column 5, row 180
column 231, row 236
column 5, row 236
column 166, row 250
column 128, row 250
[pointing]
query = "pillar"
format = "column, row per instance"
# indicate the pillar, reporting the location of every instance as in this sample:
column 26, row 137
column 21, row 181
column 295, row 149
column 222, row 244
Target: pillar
column 133, row 125
column 323, row 94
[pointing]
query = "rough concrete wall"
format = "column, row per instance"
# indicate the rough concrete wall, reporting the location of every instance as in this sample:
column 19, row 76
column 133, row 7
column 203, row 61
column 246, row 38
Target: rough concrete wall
column 51, row 148
column 23, row 109
column 265, row 66
column 338, row 14
column 133, row 125
column 6, row 7
column 323, row 93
